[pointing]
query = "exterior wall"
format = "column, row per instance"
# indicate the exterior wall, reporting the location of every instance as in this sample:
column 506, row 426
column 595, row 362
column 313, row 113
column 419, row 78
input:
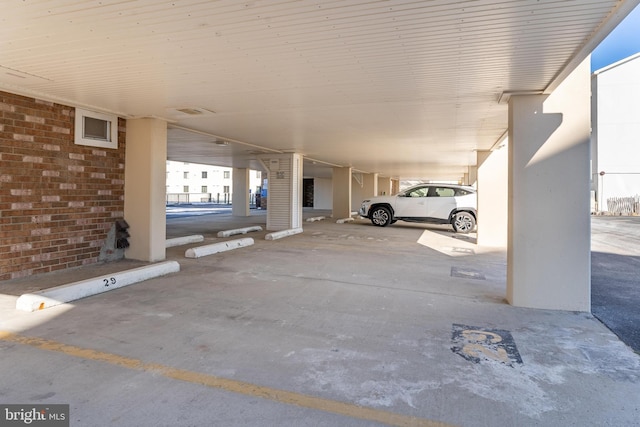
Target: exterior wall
column 616, row 131
column 322, row 193
column 58, row 200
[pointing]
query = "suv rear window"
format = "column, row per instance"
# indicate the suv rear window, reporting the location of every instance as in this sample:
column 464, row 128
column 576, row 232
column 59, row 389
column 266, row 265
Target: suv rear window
column 461, row 192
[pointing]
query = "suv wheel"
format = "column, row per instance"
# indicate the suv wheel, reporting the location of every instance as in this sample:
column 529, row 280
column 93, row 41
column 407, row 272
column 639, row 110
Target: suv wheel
column 463, row 222
column 381, row 216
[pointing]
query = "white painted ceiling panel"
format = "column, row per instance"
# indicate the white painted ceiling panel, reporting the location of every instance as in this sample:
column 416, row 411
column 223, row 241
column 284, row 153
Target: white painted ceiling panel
column 403, row 88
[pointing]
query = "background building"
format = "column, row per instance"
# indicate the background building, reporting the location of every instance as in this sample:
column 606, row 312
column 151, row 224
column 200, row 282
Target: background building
column 616, row 137
column 193, row 182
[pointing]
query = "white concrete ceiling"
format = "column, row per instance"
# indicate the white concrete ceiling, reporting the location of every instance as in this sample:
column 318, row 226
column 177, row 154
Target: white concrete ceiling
column 403, row 88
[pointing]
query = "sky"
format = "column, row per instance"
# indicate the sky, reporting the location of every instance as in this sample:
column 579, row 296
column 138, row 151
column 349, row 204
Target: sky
column 623, row 42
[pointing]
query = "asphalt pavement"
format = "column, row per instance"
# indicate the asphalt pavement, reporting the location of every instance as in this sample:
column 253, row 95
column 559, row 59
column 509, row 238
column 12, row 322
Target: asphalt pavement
column 615, row 276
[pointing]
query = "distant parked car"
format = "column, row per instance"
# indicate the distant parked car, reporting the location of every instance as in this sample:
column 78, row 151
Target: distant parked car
column 430, row 203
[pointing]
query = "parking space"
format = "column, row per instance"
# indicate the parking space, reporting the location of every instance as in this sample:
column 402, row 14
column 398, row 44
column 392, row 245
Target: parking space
column 344, row 324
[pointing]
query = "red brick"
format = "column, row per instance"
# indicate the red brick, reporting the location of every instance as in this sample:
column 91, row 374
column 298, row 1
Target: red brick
column 42, row 175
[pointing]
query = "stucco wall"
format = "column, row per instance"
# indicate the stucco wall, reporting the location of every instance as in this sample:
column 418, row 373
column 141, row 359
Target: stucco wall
column 322, row 193
column 616, row 130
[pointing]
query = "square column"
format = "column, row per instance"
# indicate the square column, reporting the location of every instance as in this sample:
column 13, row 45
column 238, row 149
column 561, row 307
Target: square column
column 473, row 175
column 492, row 178
column 369, row 185
column 384, row 186
column 364, row 188
column 240, row 202
column 341, row 192
column 548, row 255
column 395, row 186
column 144, row 188
column 284, row 190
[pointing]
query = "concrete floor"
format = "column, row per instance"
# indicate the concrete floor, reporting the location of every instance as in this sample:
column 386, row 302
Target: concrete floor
column 342, row 325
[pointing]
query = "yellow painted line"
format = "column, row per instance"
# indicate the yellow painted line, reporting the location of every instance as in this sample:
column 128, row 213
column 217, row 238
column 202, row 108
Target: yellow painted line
column 268, row 393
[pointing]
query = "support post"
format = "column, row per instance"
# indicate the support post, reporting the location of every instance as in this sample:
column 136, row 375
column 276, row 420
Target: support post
column 492, row 197
column 144, row 188
column 342, row 192
column 240, row 203
column 548, row 255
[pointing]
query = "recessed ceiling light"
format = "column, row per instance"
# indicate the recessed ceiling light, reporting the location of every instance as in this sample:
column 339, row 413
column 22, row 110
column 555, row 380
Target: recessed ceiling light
column 193, row 111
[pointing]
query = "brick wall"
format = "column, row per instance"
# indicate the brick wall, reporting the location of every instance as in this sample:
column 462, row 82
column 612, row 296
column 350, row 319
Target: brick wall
column 58, row 200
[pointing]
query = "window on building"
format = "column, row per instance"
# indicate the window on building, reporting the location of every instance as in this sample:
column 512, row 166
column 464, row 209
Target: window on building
column 185, row 189
column 204, row 188
column 185, row 175
column 226, row 189
column 204, row 175
column 227, row 175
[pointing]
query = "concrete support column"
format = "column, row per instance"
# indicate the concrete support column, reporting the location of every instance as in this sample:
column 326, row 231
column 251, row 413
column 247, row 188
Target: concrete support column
column 240, row 205
column 492, row 178
column 548, row 256
column 341, row 192
column 473, row 175
column 384, row 186
column 144, row 188
column 395, row 186
column 284, row 190
column 370, row 185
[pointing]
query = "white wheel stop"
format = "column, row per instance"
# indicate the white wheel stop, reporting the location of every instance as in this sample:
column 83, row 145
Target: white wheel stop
column 179, row 241
column 85, row 288
column 245, row 230
column 283, row 233
column 315, row 218
column 343, row 220
column 215, row 248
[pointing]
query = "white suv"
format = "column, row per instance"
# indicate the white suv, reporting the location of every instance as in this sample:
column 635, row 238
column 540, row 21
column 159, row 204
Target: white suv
column 433, row 203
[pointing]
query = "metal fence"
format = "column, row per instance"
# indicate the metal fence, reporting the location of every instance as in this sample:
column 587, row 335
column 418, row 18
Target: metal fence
column 624, row 205
column 179, row 198
column 218, row 198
